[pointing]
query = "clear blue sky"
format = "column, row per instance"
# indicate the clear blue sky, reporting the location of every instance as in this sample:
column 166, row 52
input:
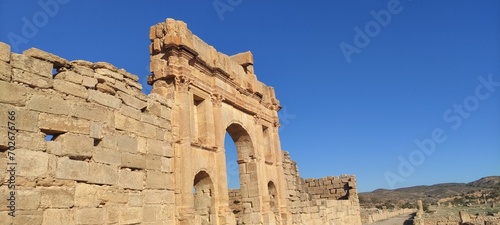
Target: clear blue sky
column 359, row 117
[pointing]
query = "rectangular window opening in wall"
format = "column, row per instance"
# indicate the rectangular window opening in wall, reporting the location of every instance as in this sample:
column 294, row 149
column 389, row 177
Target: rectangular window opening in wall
column 54, row 72
column 200, row 119
column 97, row 142
column 51, row 135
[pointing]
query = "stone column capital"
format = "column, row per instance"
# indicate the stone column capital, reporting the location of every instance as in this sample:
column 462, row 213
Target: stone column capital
column 217, row 99
column 182, row 83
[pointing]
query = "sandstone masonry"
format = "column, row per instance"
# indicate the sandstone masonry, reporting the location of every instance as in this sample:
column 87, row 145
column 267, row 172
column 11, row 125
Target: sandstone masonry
column 92, row 148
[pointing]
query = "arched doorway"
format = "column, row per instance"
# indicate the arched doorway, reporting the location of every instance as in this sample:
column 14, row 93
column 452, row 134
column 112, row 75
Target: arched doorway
column 203, row 191
column 244, row 199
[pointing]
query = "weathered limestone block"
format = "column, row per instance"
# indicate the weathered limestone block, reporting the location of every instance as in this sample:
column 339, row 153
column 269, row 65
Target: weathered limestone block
column 243, row 59
column 155, row 147
column 114, row 195
column 70, row 88
column 72, row 169
column 131, row 215
column 32, row 65
column 28, row 199
column 120, row 86
column 104, row 65
column 131, row 179
column 106, row 156
column 86, row 196
column 127, row 124
column 32, row 164
column 26, row 120
column 89, row 216
column 154, row 120
column 158, row 197
column 69, row 76
column 61, row 124
column 103, row 174
column 31, row 141
column 142, row 145
column 135, row 200
column 89, row 82
column 5, row 71
column 113, row 213
column 158, row 180
column 58, row 217
column 135, row 161
column 105, row 88
column 128, row 75
column 167, row 165
column 132, row 101
column 152, row 213
column 56, row 198
column 109, row 73
column 134, row 84
column 104, row 99
column 31, row 79
column 75, row 145
column 82, row 70
column 109, row 141
column 4, row 52
column 104, row 79
column 49, row 104
column 57, row 61
column 96, row 130
column 126, row 143
column 130, row 112
column 158, row 108
column 7, row 95
column 91, row 111
column 153, row 162
column 31, row 217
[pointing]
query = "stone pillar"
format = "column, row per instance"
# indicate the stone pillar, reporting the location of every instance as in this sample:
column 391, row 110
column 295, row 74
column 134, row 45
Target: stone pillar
column 420, row 207
column 182, row 146
column 226, row 216
column 464, row 217
column 281, row 185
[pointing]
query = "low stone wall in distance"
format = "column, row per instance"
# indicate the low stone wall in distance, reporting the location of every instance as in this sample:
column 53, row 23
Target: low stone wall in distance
column 329, row 200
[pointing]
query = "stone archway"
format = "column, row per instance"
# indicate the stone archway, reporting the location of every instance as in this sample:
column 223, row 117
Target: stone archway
column 204, row 199
column 244, row 199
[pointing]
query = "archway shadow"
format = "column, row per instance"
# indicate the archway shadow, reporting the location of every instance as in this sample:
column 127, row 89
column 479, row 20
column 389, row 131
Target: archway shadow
column 409, row 221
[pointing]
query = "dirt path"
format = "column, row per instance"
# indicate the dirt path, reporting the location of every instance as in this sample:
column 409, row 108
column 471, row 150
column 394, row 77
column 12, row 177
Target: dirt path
column 399, row 220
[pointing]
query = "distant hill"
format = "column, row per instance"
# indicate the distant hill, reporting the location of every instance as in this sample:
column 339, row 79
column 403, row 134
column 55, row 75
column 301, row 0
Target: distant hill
column 493, row 181
column 457, row 193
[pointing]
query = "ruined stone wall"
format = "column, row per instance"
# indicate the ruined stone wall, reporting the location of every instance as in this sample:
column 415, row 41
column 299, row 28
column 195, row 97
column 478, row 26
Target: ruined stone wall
column 461, row 218
column 457, row 220
column 336, row 188
column 90, row 147
column 321, row 201
column 86, row 146
column 235, row 203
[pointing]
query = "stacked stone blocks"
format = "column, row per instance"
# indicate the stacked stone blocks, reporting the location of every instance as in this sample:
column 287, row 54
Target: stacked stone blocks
column 321, row 201
column 91, row 147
